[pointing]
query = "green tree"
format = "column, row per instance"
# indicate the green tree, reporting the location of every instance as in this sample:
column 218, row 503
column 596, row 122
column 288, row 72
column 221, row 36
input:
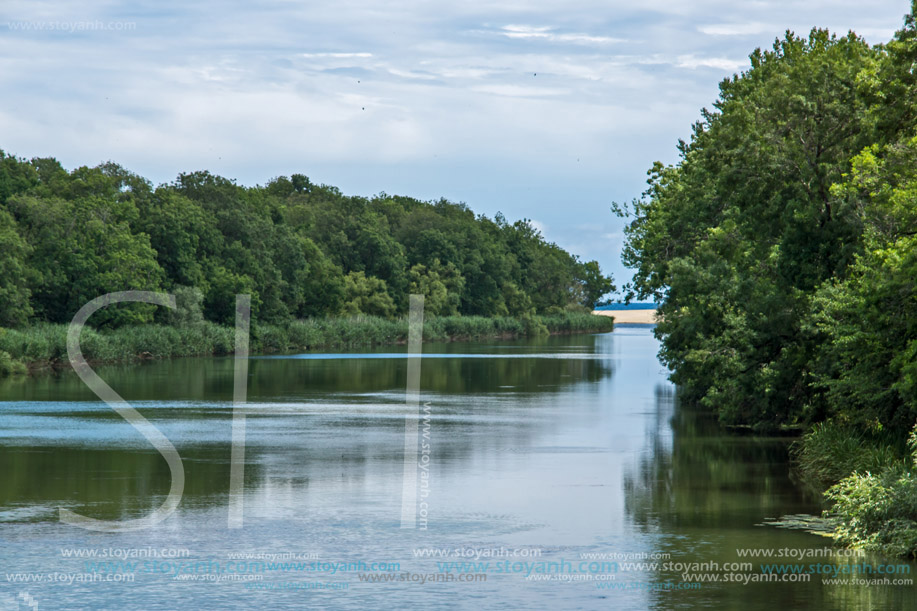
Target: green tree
column 16, row 176
column 189, row 307
column 299, row 248
column 366, row 295
column 734, row 240
column 84, row 249
column 441, row 286
column 184, row 236
column 595, row 285
column 866, row 322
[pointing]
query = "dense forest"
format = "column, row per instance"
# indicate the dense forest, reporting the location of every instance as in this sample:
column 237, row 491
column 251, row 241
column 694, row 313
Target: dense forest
column 782, row 248
column 301, row 250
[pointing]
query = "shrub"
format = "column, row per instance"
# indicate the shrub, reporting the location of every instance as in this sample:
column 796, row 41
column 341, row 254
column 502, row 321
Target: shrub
column 9, row 365
column 189, row 307
column 878, row 512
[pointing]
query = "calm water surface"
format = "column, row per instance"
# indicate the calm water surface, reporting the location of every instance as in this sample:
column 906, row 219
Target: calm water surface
column 543, row 456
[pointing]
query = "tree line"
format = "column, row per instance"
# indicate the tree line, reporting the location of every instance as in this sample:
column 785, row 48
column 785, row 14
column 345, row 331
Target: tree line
column 302, row 250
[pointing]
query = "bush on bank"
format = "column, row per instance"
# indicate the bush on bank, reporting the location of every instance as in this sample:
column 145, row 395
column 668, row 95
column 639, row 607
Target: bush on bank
column 870, row 483
column 9, row 365
column 878, row 510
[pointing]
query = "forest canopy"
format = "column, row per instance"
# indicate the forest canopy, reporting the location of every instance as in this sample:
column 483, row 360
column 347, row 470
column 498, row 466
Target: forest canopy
column 300, row 249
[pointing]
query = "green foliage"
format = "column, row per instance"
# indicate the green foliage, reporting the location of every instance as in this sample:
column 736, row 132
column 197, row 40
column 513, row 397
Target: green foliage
column 441, row 285
column 595, row 285
column 9, row 365
column 189, row 302
column 81, row 249
column 364, row 295
column 300, row 250
column 16, row 176
column 878, row 511
column 866, row 322
column 47, row 343
column 220, row 302
column 735, row 239
column 15, row 308
column 577, row 322
column 535, row 327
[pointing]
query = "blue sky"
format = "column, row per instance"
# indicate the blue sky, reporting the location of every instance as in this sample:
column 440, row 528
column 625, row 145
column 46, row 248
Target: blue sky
column 548, row 111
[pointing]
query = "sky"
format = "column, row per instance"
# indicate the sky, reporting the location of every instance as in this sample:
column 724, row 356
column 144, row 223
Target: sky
column 544, row 111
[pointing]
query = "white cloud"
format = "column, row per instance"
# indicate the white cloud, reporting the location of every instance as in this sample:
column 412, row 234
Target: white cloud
column 335, row 55
column 876, row 35
column 737, row 29
column 720, row 63
column 547, row 33
column 520, row 91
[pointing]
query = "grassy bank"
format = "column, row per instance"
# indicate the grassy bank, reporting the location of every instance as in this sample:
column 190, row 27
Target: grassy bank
column 45, row 345
column 869, row 482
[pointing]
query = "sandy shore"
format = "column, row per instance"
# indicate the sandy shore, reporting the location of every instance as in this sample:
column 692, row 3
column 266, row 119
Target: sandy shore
column 630, row 316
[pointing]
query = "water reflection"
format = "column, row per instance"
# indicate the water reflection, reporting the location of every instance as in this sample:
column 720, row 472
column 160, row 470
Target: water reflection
column 706, row 492
column 337, row 417
column 696, row 475
column 528, row 366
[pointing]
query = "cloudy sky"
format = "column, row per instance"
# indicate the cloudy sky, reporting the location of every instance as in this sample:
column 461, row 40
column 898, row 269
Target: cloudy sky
column 548, row 111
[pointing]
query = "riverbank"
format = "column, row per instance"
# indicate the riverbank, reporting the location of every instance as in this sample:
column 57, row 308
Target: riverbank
column 44, row 346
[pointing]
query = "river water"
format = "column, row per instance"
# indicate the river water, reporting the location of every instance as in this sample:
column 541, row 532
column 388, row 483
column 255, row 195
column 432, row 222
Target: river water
column 552, row 474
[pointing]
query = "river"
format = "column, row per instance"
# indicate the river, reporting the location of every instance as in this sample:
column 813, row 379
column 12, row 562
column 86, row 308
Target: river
column 551, row 474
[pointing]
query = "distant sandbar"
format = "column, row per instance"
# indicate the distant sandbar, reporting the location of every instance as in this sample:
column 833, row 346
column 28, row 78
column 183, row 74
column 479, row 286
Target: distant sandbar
column 646, row 317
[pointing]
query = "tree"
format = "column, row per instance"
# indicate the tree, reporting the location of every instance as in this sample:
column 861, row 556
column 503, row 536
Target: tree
column 441, row 286
column 81, row 250
column 366, row 295
column 189, row 307
column 595, row 285
column 298, row 248
column 734, row 240
column 866, row 322
column 16, row 176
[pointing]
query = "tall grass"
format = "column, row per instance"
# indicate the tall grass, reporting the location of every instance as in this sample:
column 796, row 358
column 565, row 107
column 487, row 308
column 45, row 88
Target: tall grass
column 829, row 452
column 46, row 344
